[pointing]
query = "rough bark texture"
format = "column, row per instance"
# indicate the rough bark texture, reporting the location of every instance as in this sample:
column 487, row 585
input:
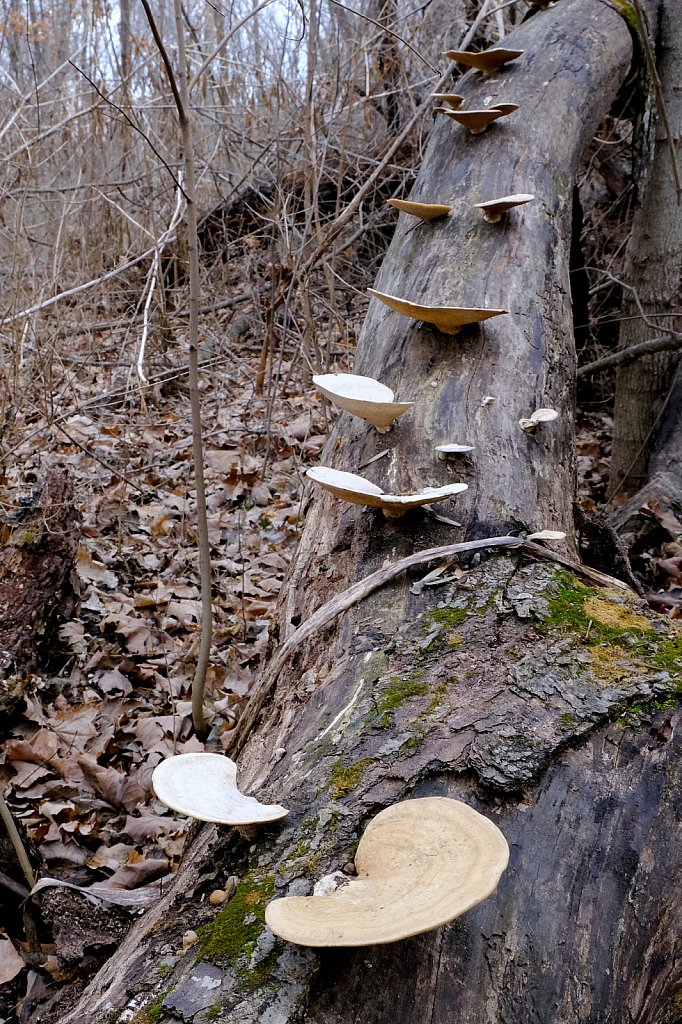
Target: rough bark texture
column 35, row 565
column 653, row 262
column 502, row 688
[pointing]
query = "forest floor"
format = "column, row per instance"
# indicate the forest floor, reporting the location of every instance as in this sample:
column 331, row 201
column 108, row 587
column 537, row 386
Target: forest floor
column 111, row 698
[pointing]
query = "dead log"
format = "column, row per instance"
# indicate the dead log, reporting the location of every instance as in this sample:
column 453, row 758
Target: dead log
column 541, row 703
column 36, row 562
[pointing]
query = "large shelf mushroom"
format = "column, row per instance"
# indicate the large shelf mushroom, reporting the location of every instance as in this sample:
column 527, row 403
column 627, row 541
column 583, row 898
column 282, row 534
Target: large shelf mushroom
column 363, row 397
column 359, row 491
column 494, row 208
column 425, row 211
column 448, row 319
column 204, row 786
column 476, row 120
column 420, row 864
column 486, row 61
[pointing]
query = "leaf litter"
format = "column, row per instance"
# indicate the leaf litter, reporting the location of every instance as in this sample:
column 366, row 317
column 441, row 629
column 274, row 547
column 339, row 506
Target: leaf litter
column 114, row 696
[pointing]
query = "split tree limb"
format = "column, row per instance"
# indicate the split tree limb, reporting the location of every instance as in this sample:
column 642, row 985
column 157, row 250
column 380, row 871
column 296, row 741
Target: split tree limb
column 669, row 343
column 355, row 593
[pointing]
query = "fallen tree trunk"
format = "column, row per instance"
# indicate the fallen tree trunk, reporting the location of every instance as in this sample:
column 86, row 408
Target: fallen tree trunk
column 511, row 687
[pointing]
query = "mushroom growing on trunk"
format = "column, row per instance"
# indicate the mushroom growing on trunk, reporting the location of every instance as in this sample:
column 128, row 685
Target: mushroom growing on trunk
column 363, row 397
column 448, row 319
column 359, row 491
column 486, row 61
column 494, row 208
column 204, row 786
column 420, row 864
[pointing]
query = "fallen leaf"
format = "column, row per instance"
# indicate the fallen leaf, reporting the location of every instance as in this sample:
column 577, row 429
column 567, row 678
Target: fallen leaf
column 10, row 961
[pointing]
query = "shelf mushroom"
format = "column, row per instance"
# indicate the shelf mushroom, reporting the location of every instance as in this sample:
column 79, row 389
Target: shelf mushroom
column 446, row 451
column 486, row 61
column 359, row 491
column 475, row 120
column 547, row 535
column 425, row 211
column 539, row 416
column 420, row 864
column 452, row 98
column 363, row 397
column 448, row 319
column 204, row 786
column 494, row 208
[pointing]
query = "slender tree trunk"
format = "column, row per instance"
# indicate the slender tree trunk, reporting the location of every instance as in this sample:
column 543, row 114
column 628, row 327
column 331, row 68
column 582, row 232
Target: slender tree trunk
column 502, row 688
column 653, row 262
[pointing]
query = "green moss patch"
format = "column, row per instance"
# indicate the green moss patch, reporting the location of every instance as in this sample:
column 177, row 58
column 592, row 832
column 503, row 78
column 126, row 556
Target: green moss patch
column 574, row 608
column 398, row 693
column 235, row 931
column 343, row 779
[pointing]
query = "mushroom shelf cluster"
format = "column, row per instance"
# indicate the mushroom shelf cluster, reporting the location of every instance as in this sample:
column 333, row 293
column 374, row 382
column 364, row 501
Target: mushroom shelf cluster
column 375, row 402
column 419, row 864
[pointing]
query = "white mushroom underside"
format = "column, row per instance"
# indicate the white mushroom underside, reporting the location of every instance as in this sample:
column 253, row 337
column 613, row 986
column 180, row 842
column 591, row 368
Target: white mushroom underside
column 363, row 397
column 204, row 786
column 420, row 864
column 359, row 491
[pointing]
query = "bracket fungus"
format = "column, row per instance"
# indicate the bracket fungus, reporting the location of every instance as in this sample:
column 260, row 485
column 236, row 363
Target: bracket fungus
column 486, row 61
column 425, row 211
column 204, row 786
column 452, row 98
column 446, row 451
column 475, row 120
column 539, row 416
column 363, row 397
column 359, row 491
column 448, row 319
column 547, row 535
column 494, row 208
column 420, row 864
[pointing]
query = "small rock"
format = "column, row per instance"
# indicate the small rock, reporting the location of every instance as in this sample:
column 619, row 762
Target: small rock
column 349, row 868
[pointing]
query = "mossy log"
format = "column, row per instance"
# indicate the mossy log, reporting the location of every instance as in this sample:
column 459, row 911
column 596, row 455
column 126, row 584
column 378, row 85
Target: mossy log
column 545, row 704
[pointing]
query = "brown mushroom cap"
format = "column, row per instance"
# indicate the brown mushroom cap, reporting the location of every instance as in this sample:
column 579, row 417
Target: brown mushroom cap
column 475, row 120
column 494, row 208
column 448, row 319
column 452, row 98
column 419, row 864
column 426, row 211
column 363, row 397
column 359, row 491
column 204, row 786
column 485, row 60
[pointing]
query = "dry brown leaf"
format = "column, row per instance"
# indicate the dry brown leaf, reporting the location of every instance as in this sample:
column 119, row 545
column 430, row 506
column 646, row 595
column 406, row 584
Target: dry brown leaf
column 117, row 789
column 94, row 572
column 130, row 876
column 10, row 961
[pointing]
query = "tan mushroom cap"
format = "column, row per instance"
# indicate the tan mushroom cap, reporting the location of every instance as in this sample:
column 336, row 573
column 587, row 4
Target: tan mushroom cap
column 547, row 535
column 363, row 397
column 494, row 208
column 419, row 864
column 452, row 98
column 448, row 319
column 506, row 108
column 204, row 786
column 539, row 416
column 359, row 491
column 475, row 120
column 485, row 60
column 446, row 451
column 425, row 211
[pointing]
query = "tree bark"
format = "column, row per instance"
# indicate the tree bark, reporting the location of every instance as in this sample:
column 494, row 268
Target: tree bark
column 652, row 267
column 502, row 688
